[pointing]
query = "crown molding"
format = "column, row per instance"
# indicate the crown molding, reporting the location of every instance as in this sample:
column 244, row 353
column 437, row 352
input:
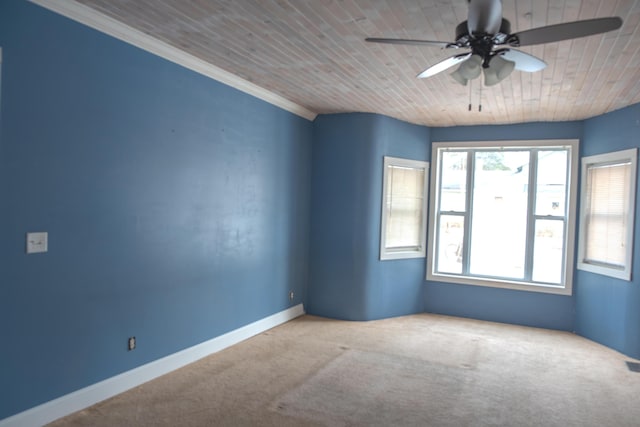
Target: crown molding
column 105, row 24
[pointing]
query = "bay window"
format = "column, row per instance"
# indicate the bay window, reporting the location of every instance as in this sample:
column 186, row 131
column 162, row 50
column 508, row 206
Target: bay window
column 503, row 215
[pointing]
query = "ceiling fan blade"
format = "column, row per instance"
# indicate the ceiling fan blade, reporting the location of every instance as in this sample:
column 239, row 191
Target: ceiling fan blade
column 443, row 65
column 524, row 61
column 410, row 42
column 484, row 16
column 566, row 31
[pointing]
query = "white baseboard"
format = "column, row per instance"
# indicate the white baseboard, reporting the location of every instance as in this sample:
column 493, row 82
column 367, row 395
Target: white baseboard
column 83, row 398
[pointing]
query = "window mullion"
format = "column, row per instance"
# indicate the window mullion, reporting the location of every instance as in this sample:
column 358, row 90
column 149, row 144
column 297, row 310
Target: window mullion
column 439, row 181
column 468, row 213
column 438, row 209
column 531, row 214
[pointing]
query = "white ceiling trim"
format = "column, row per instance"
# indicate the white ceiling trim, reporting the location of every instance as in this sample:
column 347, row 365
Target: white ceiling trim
column 96, row 20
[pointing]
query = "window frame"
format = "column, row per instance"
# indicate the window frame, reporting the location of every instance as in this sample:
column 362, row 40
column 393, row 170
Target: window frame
column 611, row 158
column 419, row 251
column 566, row 286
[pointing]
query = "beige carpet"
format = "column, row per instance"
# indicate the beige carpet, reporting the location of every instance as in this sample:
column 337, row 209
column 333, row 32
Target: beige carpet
column 422, row 370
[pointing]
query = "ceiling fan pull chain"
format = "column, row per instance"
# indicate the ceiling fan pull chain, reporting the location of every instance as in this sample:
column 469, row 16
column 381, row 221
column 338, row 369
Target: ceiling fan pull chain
column 480, row 99
column 470, row 94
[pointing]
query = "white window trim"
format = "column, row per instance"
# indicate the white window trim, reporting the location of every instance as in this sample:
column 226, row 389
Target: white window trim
column 630, row 155
column 420, row 252
column 567, row 289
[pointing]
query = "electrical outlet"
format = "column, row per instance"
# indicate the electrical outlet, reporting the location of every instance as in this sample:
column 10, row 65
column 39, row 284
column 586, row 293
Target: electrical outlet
column 290, row 295
column 132, row 343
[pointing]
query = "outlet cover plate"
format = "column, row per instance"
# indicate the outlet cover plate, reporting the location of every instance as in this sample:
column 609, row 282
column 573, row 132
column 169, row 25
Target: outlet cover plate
column 37, row 242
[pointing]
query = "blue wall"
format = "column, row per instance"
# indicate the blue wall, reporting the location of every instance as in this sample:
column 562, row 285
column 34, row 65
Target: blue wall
column 177, row 208
column 347, row 279
column 608, row 309
column 494, row 304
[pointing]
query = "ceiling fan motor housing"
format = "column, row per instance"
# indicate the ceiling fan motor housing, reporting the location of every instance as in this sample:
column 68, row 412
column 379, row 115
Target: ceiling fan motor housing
column 463, row 38
column 480, row 43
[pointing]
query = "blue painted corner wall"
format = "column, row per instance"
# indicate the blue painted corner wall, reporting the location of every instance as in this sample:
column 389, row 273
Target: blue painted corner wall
column 608, row 309
column 347, row 279
column 177, row 208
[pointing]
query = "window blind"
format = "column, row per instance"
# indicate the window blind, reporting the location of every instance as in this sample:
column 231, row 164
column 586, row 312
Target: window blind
column 607, row 208
column 404, row 204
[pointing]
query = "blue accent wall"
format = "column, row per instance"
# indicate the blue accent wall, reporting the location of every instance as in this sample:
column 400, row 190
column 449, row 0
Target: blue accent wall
column 608, row 309
column 347, row 278
column 495, row 304
column 177, row 208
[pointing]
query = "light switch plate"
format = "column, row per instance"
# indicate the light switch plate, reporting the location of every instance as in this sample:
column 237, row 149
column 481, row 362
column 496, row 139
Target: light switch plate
column 37, row 242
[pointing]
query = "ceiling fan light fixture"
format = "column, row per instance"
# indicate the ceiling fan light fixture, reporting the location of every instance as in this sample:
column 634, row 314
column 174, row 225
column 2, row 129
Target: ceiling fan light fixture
column 468, row 70
column 498, row 70
column 471, row 68
column 457, row 76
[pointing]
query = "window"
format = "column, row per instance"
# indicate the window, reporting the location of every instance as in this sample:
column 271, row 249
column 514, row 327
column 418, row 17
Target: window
column 404, row 213
column 503, row 215
column 607, row 213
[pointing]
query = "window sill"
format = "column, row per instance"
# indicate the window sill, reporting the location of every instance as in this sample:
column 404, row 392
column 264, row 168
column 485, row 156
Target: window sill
column 622, row 273
column 386, row 256
column 503, row 284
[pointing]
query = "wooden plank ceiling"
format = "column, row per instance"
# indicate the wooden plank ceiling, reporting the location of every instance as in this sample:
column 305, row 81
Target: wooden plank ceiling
column 313, row 53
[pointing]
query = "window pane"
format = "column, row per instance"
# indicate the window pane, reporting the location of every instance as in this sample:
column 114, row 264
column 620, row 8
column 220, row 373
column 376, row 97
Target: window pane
column 404, row 204
column 499, row 221
column 607, row 207
column 454, row 182
column 551, row 183
column 548, row 251
column 451, row 235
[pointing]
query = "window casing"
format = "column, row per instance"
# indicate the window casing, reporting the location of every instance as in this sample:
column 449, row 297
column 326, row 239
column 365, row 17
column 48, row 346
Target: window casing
column 404, row 208
column 502, row 214
column 607, row 213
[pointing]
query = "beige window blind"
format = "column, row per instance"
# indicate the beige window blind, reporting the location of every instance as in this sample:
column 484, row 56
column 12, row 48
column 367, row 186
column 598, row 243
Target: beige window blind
column 606, row 214
column 405, row 204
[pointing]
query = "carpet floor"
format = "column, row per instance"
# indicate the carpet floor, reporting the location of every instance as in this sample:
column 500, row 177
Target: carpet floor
column 421, row 370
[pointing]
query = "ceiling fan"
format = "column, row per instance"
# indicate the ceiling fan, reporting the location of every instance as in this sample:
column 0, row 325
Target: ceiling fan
column 488, row 37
